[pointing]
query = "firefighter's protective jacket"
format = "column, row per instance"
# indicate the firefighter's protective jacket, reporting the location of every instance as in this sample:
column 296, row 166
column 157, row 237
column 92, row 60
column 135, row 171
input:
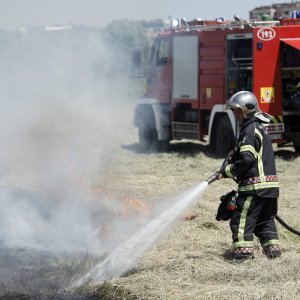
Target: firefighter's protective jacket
column 253, row 164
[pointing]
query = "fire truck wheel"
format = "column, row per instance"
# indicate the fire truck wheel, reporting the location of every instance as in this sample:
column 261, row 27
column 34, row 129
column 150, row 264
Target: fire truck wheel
column 225, row 140
column 147, row 132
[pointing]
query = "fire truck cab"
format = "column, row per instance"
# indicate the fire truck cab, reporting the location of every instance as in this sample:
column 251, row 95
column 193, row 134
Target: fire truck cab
column 196, row 66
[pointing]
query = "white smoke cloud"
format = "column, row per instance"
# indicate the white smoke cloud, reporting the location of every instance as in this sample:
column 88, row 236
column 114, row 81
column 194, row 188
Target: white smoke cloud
column 59, row 120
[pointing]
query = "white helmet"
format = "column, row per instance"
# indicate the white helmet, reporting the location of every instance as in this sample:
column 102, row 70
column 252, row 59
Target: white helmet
column 246, row 101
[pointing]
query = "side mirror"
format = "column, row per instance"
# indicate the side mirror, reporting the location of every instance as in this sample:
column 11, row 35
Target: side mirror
column 136, row 64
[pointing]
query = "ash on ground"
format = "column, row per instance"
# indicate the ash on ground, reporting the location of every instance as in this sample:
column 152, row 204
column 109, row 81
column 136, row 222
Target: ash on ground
column 34, row 274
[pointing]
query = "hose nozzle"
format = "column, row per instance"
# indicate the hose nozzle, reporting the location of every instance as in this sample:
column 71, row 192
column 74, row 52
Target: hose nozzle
column 213, row 178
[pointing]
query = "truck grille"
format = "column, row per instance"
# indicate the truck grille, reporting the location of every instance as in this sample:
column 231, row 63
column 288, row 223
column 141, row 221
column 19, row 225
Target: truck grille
column 185, row 130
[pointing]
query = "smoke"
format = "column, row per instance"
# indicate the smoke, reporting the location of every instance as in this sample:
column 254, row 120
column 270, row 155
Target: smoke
column 122, row 259
column 61, row 116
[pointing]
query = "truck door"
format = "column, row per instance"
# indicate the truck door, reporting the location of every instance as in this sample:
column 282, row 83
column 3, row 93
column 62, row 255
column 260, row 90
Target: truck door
column 290, row 74
column 239, row 57
column 158, row 80
column 185, row 87
column 185, row 67
column 290, row 82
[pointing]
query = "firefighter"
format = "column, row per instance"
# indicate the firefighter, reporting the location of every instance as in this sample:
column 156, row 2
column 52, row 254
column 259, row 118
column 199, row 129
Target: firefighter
column 253, row 167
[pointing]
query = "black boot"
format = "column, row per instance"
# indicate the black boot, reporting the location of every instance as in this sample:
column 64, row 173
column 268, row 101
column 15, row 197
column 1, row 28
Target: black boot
column 242, row 254
column 272, row 251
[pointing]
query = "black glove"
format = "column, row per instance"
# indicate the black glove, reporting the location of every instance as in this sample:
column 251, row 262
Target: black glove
column 233, row 157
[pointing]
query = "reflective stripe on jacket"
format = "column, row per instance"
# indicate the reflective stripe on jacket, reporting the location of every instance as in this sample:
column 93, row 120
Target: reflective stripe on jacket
column 254, row 163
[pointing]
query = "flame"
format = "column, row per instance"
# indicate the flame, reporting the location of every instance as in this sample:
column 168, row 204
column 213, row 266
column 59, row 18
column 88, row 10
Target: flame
column 124, row 208
column 133, row 206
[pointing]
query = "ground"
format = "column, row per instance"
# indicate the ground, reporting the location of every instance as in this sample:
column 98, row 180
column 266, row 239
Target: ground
column 190, row 259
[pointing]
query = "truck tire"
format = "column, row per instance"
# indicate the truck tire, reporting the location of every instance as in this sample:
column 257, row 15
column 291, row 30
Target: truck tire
column 147, row 132
column 224, row 139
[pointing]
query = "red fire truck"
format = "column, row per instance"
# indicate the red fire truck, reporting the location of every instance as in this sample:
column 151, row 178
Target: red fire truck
column 196, row 66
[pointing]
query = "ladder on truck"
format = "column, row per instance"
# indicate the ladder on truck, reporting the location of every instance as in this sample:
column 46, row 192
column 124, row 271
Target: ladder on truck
column 204, row 25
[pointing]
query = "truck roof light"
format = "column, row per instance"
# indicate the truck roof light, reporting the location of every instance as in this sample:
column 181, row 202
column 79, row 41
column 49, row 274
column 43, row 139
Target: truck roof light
column 174, row 23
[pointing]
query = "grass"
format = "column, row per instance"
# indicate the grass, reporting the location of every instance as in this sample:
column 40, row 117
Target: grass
column 191, row 261
column 35, row 274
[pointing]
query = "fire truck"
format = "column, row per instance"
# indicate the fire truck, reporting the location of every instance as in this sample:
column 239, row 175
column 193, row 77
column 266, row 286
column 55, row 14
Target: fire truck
column 195, row 66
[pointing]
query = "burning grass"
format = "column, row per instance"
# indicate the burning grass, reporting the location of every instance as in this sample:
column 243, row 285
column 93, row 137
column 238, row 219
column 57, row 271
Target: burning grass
column 35, row 274
column 191, row 260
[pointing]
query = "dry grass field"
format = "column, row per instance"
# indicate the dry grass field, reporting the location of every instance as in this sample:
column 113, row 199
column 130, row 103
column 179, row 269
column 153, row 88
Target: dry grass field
column 190, row 261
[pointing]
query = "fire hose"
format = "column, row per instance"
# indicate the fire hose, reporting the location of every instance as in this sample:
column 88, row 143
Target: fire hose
column 216, row 175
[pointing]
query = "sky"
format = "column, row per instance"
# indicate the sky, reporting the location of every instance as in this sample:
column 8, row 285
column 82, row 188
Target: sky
column 99, row 13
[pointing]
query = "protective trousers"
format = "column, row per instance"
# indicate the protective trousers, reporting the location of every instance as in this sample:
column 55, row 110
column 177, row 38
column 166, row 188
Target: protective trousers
column 254, row 215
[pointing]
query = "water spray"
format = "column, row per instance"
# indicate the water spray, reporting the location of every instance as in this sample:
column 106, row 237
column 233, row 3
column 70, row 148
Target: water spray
column 122, row 259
